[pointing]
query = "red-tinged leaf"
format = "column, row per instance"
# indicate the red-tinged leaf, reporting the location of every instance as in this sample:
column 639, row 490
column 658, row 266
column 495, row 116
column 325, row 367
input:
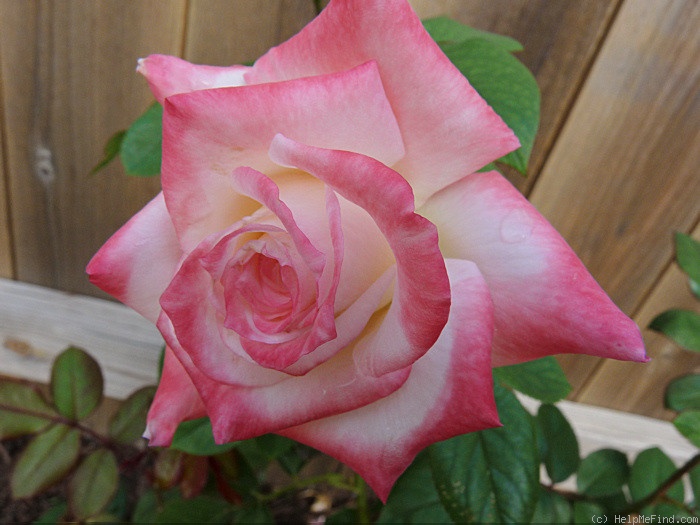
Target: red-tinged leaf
column 45, row 461
column 195, row 473
column 76, row 383
column 93, row 484
column 167, row 470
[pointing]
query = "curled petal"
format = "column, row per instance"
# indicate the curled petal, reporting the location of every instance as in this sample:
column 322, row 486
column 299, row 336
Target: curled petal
column 449, row 392
column 406, row 332
column 208, row 134
column 443, row 120
column 545, row 300
column 136, row 264
column 169, row 75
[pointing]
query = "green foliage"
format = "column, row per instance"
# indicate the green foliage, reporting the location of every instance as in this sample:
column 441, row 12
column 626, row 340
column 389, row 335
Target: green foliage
column 602, row 473
column 492, row 475
column 688, row 258
column 93, row 484
column 142, row 145
column 683, row 393
column 688, row 424
column 128, row 423
column 652, row 468
column 445, row 31
column 414, row 498
column 196, row 437
column 21, row 410
column 558, row 444
column 542, row 379
column 683, row 326
column 552, row 508
column 76, row 383
column 47, row 459
column 111, row 150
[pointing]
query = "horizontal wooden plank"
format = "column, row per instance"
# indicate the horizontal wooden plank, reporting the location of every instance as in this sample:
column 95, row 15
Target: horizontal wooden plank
column 37, row 323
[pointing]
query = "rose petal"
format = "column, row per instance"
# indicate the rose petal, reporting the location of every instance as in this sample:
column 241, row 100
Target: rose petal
column 546, row 301
column 407, row 332
column 136, row 264
column 176, row 401
column 207, row 134
column 169, row 75
column 334, row 386
column 449, row 392
column 448, row 130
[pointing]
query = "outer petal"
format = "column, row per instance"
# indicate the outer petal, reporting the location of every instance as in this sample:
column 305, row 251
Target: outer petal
column 176, row 401
column 207, row 134
column 448, row 129
column 407, row 331
column 449, row 392
column 546, row 301
column 136, row 264
column 168, row 75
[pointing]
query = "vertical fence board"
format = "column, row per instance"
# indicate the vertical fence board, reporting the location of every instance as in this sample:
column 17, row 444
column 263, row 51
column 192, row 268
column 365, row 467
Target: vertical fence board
column 623, row 174
column 6, row 267
column 560, row 41
column 639, row 388
column 68, row 84
column 220, row 32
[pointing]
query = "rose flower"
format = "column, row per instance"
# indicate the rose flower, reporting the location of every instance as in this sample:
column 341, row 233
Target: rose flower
column 325, row 262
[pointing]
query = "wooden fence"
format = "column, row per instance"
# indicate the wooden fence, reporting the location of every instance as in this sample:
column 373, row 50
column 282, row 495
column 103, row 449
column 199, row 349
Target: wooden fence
column 615, row 167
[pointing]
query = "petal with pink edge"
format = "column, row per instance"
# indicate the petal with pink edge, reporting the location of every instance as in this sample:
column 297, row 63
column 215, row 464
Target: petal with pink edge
column 421, row 302
column 136, row 264
column 169, row 75
column 448, row 130
column 449, row 392
column 546, row 302
column 207, row 134
column 176, row 401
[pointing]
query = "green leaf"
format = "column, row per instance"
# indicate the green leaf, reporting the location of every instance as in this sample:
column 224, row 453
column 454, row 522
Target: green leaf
column 552, row 508
column 650, row 469
column 21, row 408
column 53, row 515
column 492, row 475
column 445, row 30
column 76, row 383
column 683, row 326
column 196, row 437
column 688, row 424
column 542, row 379
column 507, row 85
column 561, row 452
column 111, row 150
column 202, row 509
column 683, row 393
column 142, row 146
column 586, row 512
column 695, row 485
column 414, row 498
column 93, row 484
column 688, row 257
column 46, row 460
column 602, row 473
column 128, row 423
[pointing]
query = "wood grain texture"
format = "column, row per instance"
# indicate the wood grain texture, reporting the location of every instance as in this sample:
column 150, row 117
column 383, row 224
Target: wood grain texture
column 6, row 250
column 639, row 388
column 69, row 84
column 560, row 41
column 623, row 174
column 221, row 32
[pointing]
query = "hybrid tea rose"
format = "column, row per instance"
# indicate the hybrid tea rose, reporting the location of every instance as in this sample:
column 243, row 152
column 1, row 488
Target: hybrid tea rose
column 325, row 263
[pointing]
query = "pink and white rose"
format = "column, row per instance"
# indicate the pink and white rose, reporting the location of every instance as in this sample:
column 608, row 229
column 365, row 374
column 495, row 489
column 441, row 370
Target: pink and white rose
column 324, row 262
